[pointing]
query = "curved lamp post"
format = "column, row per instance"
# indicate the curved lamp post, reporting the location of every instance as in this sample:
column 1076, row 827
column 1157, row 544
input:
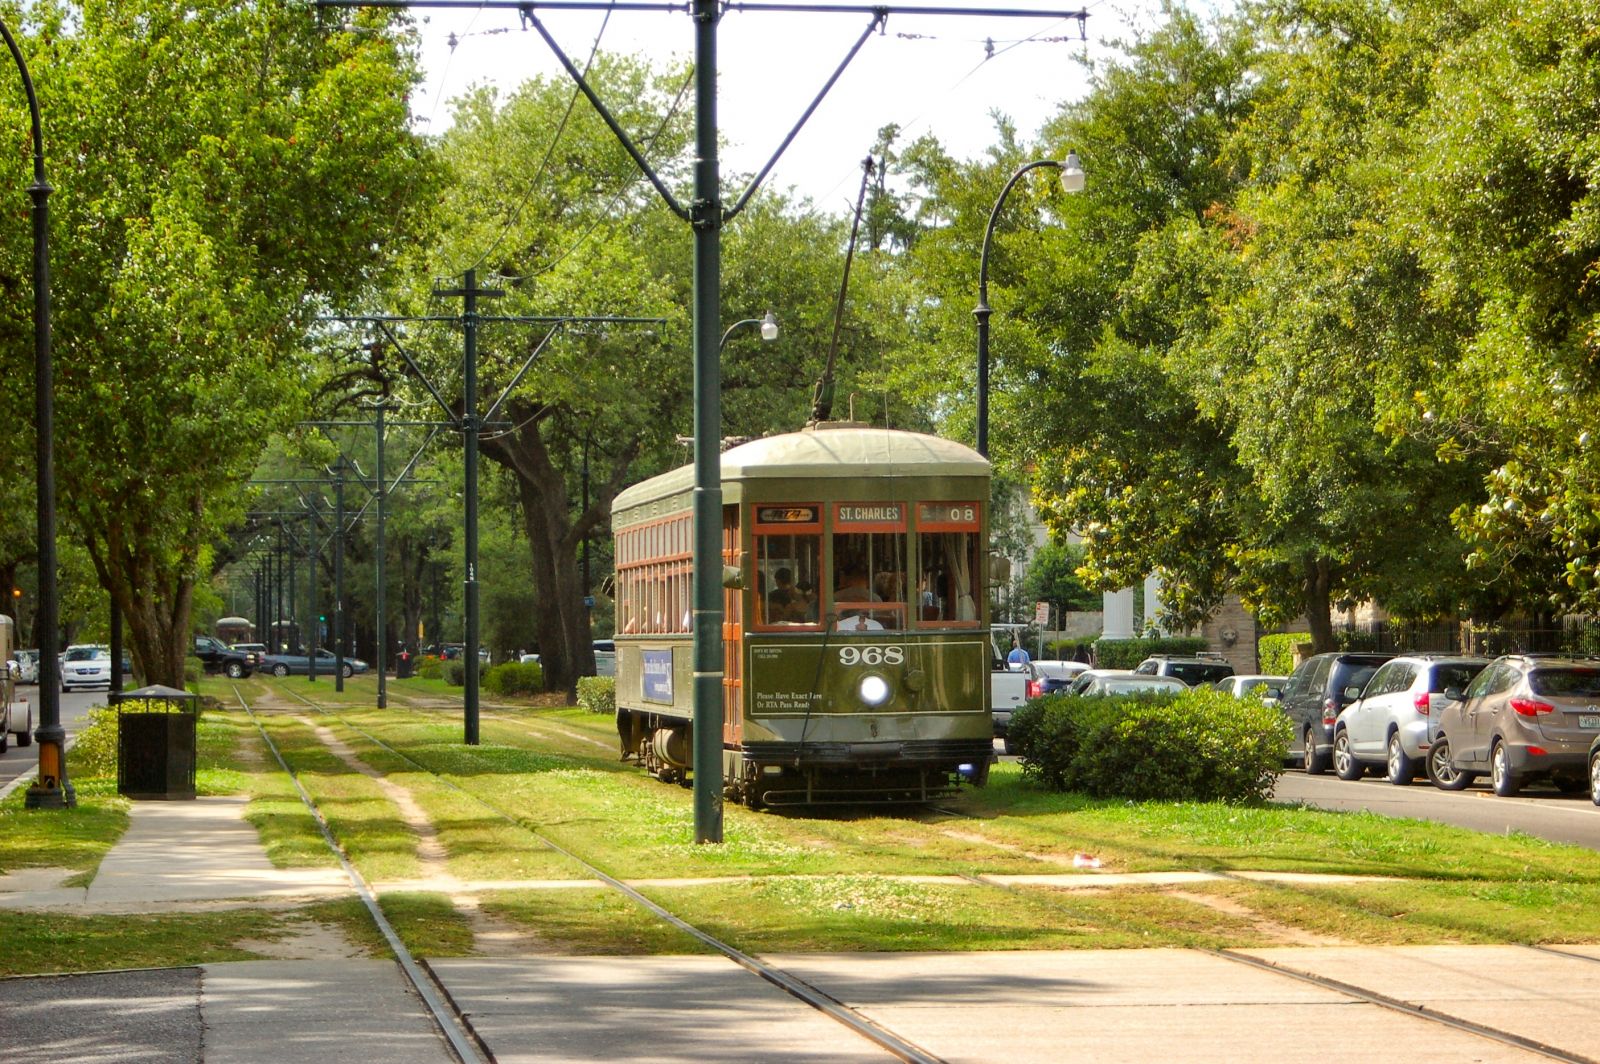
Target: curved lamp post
column 51, row 790
column 1071, row 181
column 769, row 328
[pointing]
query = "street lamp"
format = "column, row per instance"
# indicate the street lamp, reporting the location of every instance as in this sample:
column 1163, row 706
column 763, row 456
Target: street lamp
column 50, row 790
column 1071, row 181
column 769, row 328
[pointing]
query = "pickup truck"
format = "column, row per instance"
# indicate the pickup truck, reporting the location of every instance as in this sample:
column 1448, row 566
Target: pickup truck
column 1009, row 688
column 217, row 656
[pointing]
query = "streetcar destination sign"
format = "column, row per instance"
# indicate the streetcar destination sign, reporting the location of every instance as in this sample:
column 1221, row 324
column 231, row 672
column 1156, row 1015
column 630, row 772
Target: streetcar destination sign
column 851, row 513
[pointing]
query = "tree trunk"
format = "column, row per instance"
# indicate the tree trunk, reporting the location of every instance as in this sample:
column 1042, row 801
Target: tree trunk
column 1319, row 604
column 561, row 622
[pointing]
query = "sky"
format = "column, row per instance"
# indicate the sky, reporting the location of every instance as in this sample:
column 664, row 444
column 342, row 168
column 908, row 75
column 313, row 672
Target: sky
column 928, row 74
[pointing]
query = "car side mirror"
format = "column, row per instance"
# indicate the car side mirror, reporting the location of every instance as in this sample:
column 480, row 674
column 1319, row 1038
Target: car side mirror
column 1455, row 694
column 1274, row 692
column 1352, row 693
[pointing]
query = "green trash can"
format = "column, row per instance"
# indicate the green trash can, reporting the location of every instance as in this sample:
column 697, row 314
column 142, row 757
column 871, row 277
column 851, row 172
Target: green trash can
column 156, row 733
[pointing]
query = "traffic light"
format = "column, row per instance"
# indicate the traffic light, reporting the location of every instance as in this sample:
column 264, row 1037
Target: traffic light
column 322, row 617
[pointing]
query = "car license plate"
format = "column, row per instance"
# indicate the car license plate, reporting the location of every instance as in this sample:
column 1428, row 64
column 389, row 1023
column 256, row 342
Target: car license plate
column 1589, row 720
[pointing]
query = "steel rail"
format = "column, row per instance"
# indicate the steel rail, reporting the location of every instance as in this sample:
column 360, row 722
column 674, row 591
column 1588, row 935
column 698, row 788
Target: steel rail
column 448, row 1020
column 798, row 988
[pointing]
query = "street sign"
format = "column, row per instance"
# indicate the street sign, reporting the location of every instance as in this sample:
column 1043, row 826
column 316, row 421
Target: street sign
column 1041, row 613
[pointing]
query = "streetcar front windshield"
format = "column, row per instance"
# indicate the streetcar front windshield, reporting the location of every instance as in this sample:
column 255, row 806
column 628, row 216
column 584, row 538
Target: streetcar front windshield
column 869, row 580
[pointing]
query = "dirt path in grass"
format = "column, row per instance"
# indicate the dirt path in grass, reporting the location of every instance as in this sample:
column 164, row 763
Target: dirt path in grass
column 491, row 935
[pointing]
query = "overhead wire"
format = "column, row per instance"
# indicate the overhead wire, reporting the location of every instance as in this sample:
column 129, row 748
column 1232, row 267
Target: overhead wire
column 550, row 149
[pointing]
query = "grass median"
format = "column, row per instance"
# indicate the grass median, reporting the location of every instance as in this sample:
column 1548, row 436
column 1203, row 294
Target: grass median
column 830, row 880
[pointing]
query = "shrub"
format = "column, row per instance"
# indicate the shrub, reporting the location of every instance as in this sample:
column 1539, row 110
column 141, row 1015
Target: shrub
column 1202, row 745
column 514, row 678
column 455, row 672
column 1276, row 652
column 430, row 667
column 598, row 694
column 1126, row 653
column 193, row 669
column 94, row 751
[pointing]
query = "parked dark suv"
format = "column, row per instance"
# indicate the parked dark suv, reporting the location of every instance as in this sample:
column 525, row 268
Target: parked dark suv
column 217, row 656
column 1318, row 689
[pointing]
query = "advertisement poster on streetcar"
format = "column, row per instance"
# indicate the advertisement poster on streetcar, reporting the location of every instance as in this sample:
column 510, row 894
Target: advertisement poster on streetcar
column 656, row 676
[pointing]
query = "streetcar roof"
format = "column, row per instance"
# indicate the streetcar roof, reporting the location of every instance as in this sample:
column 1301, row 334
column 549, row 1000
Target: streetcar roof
column 824, row 451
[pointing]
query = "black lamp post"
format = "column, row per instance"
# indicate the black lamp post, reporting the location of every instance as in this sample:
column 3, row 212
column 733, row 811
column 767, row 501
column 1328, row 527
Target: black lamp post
column 51, row 790
column 1071, row 181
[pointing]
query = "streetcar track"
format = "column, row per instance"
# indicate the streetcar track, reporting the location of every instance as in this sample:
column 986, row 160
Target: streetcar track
column 790, row 984
column 452, row 1024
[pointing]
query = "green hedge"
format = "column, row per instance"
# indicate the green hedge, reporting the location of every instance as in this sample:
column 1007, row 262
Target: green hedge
column 193, row 670
column 1276, row 652
column 430, row 667
column 1070, row 649
column 1202, row 745
column 598, row 694
column 455, row 672
column 514, row 678
column 1126, row 653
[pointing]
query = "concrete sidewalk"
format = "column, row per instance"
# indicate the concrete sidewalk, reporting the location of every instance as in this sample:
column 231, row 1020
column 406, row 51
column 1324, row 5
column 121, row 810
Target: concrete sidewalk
column 175, row 852
column 970, row 1008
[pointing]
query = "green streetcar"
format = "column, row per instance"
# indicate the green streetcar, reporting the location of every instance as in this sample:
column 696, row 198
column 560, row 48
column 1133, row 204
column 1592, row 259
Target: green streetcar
column 855, row 628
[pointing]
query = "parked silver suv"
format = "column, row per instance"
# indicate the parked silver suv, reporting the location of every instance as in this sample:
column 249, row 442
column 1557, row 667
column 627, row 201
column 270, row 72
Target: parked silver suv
column 1389, row 725
column 1522, row 717
column 1197, row 670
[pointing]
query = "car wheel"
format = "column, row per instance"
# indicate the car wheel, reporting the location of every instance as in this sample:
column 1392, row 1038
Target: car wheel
column 1506, row 783
column 25, row 737
column 1005, row 744
column 348, row 671
column 1316, row 764
column 1402, row 769
column 5, row 740
column 1345, row 764
column 1444, row 776
column 280, row 669
column 235, row 671
column 1594, row 777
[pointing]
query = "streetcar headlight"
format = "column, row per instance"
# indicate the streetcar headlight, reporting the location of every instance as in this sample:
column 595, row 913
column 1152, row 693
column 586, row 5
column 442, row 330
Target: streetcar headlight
column 873, row 690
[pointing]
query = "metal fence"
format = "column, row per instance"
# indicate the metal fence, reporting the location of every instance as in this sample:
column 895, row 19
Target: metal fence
column 1579, row 638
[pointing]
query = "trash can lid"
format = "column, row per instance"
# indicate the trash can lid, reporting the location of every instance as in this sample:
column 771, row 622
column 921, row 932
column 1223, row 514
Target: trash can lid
column 156, row 690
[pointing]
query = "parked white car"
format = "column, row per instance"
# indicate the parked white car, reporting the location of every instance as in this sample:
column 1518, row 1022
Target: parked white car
column 86, row 666
column 1123, row 682
column 1389, row 724
column 1266, row 688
